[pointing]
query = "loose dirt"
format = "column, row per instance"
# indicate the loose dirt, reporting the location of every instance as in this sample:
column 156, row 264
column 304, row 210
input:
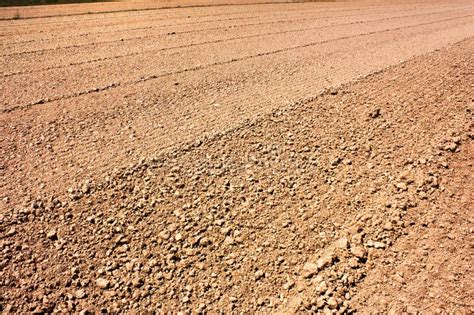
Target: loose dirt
column 259, row 158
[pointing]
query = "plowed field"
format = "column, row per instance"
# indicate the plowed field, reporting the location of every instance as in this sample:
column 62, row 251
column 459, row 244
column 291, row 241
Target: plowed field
column 272, row 157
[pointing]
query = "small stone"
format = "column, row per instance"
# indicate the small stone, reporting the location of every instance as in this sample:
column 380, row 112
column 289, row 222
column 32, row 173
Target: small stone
column 52, row 235
column 347, row 161
column 178, row 237
column 102, row 283
column 11, row 232
column 333, row 303
column 379, row 245
column 307, row 303
column 353, row 263
column 219, row 222
column 451, row 147
column 309, row 269
column 80, row 294
column 388, row 226
column 200, row 265
column 402, row 186
column 422, row 195
column 229, row 240
column 164, row 235
column 226, row 230
column 86, row 187
column 259, row 274
column 343, row 243
column 288, row 285
column 375, row 113
column 398, row 278
column 204, row 241
column 335, row 161
column 358, row 252
column 320, row 302
column 201, row 307
column 137, row 282
column 325, row 261
column 322, row 287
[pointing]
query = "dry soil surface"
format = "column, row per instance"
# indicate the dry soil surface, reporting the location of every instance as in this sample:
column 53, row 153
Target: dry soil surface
column 272, row 158
column 115, row 6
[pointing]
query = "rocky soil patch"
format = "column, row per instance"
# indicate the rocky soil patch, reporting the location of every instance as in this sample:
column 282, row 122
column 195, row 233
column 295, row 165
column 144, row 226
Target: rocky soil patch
column 289, row 212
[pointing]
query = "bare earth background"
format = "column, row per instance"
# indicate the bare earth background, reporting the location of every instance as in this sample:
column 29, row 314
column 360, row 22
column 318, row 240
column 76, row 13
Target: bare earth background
column 134, row 5
column 259, row 157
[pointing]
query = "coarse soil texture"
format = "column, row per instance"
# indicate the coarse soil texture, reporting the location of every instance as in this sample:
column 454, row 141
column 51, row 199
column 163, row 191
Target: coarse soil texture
column 270, row 158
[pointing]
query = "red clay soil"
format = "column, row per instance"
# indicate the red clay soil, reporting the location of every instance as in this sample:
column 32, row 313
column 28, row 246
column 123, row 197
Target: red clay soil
column 240, row 159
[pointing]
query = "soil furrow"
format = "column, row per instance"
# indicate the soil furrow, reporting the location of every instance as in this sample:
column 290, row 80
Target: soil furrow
column 127, row 23
column 298, row 206
column 317, row 161
column 176, row 18
column 200, row 67
column 141, row 37
column 142, row 51
column 192, row 7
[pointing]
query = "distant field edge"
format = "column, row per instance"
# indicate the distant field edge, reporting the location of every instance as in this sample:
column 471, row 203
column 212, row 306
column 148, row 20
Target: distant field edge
column 22, row 3
column 15, row 7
